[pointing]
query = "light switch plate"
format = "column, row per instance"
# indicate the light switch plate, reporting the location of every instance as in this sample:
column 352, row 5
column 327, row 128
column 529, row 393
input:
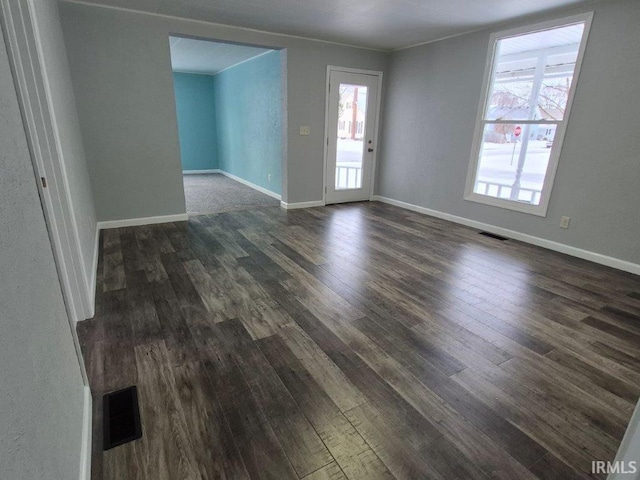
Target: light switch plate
column 305, row 130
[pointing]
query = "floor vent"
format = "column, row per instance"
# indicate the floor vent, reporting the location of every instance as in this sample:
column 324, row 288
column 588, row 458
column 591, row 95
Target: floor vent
column 493, row 235
column 121, row 417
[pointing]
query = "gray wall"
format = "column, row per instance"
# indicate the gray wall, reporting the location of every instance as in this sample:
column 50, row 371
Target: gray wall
column 63, row 105
column 121, row 73
column 41, row 389
column 629, row 450
column 433, row 93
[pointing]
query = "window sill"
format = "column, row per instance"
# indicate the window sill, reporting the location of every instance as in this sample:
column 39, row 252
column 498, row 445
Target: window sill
column 537, row 210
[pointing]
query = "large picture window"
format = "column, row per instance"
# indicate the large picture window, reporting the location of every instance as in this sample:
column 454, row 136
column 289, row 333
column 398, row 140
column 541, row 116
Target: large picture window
column 530, row 81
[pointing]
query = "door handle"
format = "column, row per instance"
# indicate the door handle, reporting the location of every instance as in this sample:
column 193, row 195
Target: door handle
column 370, row 150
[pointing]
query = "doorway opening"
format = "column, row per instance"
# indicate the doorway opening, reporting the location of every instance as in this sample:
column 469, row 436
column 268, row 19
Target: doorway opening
column 229, row 106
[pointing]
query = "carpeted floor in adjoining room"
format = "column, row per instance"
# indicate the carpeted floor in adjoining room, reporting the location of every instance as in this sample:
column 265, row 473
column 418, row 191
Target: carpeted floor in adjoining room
column 215, row 193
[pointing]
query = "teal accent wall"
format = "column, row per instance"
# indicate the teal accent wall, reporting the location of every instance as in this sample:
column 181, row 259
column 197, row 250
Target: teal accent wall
column 248, row 101
column 195, row 109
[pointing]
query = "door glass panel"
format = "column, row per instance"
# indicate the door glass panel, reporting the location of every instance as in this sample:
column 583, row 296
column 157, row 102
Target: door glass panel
column 352, row 113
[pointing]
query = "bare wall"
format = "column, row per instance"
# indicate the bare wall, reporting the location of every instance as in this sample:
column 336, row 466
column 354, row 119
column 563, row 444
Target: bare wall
column 41, row 392
column 122, row 78
column 433, row 93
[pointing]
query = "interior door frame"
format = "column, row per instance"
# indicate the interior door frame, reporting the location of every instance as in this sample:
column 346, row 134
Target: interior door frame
column 23, row 49
column 376, row 130
column 32, row 86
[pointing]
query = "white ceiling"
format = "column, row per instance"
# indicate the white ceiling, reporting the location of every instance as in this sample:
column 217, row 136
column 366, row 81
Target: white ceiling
column 379, row 24
column 205, row 57
column 557, row 37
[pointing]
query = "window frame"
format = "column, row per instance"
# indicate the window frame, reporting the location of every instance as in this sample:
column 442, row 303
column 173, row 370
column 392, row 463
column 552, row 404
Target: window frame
column 556, row 149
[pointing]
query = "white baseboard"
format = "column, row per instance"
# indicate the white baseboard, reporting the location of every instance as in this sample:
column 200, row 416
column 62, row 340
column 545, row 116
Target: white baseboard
column 291, row 206
column 87, row 435
column 94, row 274
column 523, row 237
column 134, row 222
column 200, row 172
column 252, row 185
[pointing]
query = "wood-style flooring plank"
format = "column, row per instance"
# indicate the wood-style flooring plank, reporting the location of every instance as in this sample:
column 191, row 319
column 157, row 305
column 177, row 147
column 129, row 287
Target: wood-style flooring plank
column 326, row 373
column 357, row 341
column 329, row 472
column 216, row 453
column 114, row 277
column 568, row 440
column 304, row 448
column 346, row 446
column 166, row 450
column 260, row 450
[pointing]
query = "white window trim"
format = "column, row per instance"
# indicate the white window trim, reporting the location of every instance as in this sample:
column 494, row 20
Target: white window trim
column 541, row 209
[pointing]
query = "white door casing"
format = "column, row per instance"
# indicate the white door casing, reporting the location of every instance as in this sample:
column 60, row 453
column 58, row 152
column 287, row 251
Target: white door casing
column 41, row 133
column 43, row 137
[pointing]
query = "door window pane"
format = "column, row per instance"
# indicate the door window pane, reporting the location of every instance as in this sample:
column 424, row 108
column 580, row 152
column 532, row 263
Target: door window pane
column 352, row 112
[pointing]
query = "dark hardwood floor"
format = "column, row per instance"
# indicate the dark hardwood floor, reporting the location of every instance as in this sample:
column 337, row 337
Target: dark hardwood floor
column 359, row 341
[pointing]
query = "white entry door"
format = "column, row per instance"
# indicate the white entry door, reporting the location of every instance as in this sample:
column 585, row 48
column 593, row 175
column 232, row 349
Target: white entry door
column 352, row 105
